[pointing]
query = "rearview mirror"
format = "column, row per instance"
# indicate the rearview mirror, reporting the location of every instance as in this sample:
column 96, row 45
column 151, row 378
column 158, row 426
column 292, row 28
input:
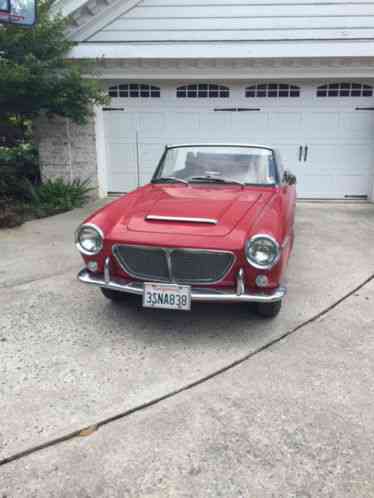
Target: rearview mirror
column 19, row 12
column 289, row 178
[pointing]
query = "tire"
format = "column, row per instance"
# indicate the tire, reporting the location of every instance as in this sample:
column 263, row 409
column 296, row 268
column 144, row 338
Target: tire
column 269, row 310
column 113, row 295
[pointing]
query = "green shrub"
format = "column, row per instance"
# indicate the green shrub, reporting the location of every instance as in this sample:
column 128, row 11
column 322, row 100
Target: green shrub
column 18, row 169
column 58, row 195
column 23, row 197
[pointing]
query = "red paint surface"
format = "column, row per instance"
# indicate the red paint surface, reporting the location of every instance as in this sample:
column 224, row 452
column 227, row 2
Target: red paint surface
column 240, row 213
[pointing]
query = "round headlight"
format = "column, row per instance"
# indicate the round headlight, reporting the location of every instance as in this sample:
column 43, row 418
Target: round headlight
column 262, row 251
column 89, row 239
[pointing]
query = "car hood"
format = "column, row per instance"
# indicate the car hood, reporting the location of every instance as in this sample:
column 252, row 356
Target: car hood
column 227, row 205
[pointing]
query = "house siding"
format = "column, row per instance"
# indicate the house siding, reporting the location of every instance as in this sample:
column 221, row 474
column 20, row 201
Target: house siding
column 249, row 20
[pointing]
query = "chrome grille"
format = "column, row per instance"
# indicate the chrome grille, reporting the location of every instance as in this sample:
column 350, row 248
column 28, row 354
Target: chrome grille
column 142, row 262
column 187, row 266
column 200, row 266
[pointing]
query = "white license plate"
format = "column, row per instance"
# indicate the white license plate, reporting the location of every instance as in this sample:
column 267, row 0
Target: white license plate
column 168, row 296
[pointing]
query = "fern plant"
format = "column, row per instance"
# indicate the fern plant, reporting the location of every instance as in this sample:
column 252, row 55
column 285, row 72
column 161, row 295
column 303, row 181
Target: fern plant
column 59, row 195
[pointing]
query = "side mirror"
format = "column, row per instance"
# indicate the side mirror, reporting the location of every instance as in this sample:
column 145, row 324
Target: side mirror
column 22, row 13
column 289, row 178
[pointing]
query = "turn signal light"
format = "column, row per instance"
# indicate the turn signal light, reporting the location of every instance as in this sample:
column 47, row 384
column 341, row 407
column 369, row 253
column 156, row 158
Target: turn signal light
column 92, row 266
column 262, row 281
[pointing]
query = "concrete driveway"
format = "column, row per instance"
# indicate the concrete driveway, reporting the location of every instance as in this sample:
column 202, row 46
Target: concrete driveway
column 292, row 417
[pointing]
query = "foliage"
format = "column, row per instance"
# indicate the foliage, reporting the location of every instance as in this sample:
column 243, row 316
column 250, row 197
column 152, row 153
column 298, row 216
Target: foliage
column 35, row 76
column 18, row 168
column 24, row 197
column 58, row 195
column 10, row 217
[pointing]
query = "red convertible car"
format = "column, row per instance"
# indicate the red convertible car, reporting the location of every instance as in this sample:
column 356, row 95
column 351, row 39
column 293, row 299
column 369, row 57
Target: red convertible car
column 215, row 224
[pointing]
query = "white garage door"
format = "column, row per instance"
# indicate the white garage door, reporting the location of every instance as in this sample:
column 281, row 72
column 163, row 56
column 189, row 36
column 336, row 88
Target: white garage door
column 325, row 132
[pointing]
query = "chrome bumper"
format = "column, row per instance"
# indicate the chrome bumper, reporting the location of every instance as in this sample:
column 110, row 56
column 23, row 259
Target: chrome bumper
column 197, row 294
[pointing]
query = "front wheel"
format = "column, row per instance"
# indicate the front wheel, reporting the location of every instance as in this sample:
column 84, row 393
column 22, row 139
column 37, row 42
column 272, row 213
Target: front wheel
column 112, row 294
column 269, row 310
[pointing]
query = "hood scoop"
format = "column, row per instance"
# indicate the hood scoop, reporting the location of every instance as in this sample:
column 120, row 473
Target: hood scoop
column 181, row 219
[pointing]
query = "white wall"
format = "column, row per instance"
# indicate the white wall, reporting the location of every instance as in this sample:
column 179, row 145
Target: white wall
column 241, row 20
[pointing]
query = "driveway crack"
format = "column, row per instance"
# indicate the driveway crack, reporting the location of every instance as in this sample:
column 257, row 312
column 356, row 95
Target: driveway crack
column 89, row 430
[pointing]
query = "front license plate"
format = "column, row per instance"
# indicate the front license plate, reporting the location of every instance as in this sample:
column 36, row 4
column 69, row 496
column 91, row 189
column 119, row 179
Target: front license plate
column 169, row 296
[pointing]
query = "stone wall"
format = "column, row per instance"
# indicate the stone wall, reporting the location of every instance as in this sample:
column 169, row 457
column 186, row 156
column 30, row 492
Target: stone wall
column 67, row 150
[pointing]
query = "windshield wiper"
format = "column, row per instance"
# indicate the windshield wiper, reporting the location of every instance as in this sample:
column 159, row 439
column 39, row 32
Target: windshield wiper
column 215, row 179
column 170, row 179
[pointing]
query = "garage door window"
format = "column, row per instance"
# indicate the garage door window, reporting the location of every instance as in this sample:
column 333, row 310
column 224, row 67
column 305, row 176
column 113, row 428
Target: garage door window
column 134, row 90
column 203, row 90
column 272, row 90
column 345, row 90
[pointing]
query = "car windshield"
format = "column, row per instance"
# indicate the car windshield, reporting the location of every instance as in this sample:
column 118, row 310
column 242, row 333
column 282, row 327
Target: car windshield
column 218, row 164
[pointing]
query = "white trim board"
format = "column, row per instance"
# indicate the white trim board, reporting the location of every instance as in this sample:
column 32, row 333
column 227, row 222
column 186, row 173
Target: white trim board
column 301, row 69
column 66, row 7
column 101, row 152
column 262, row 50
column 98, row 22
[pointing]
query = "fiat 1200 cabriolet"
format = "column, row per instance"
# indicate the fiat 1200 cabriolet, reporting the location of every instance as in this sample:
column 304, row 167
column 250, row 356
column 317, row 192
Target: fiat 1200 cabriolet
column 215, row 224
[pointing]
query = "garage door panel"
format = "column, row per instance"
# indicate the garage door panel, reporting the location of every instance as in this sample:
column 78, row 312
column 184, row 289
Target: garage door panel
column 358, row 124
column 151, row 124
column 149, row 155
column 336, row 140
column 122, row 164
column 249, row 126
column 181, row 126
column 289, row 154
column 340, row 158
column 332, row 187
column 120, row 126
column 124, row 181
column 337, row 170
column 320, row 124
column 216, row 126
column 316, row 187
column 351, row 185
column 285, row 124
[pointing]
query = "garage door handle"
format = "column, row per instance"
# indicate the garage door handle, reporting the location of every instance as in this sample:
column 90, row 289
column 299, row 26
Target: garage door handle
column 300, row 153
column 305, row 153
column 244, row 109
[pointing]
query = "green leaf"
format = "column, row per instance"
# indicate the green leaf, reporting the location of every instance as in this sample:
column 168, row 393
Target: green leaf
column 58, row 194
column 36, row 77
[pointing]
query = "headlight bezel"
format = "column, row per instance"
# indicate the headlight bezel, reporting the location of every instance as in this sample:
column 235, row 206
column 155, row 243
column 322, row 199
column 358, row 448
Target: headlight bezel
column 252, row 262
column 78, row 232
